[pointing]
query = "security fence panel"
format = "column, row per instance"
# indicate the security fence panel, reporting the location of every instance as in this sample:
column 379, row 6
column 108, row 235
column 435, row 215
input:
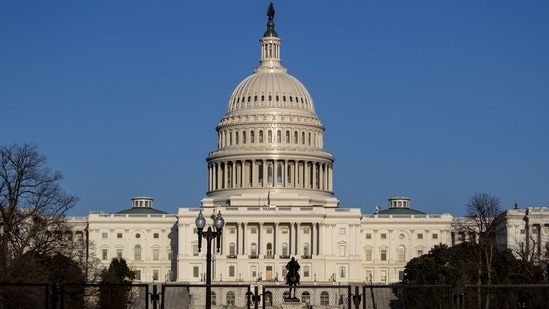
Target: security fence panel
column 306, row 296
column 100, row 296
column 13, row 295
column 193, row 296
column 407, row 296
column 506, row 296
column 357, row 297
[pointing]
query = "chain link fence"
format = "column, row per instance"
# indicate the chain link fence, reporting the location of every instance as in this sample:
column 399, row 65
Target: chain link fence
column 276, row 296
column 14, row 296
column 506, row 296
column 223, row 296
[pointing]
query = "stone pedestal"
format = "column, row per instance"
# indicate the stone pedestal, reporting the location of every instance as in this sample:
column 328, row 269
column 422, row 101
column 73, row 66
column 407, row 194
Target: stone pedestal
column 291, row 303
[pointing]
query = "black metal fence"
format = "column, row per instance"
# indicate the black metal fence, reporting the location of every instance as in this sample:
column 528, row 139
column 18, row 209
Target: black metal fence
column 271, row 296
column 506, row 296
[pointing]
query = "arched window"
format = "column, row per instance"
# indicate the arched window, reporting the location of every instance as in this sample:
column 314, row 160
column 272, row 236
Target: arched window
column 324, row 298
column 244, row 137
column 230, row 298
column 261, row 136
column 295, row 137
column 306, row 298
column 137, row 253
column 287, row 137
column 279, row 173
column 269, row 249
column 278, row 136
column 252, row 137
column 268, row 298
column 236, row 137
column 303, row 138
column 270, row 137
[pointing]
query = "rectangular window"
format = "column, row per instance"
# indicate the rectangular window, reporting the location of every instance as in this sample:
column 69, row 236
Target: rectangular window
column 383, row 276
column 156, row 253
column 369, row 277
column 368, row 236
column 342, row 250
column 383, row 254
column 195, row 272
column 104, row 235
column 383, row 236
column 419, row 252
column 306, row 230
column 155, row 274
column 401, row 254
column 342, row 230
column 118, row 235
column 269, row 230
column 523, row 231
column 254, row 230
column 232, row 230
column 170, row 254
column 306, row 271
column 231, row 271
column 400, row 275
column 155, row 235
column 435, row 236
column 253, row 271
column 104, row 254
column 420, row 236
column 195, row 250
column 119, row 253
column 138, row 274
column 368, row 255
column 284, row 231
column 342, row 272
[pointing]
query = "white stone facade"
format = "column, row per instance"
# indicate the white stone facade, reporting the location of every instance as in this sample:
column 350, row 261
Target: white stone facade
column 272, row 181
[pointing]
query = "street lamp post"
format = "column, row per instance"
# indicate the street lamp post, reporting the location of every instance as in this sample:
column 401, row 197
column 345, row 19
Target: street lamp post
column 209, row 235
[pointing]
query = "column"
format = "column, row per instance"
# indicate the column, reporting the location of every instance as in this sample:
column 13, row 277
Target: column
column 244, row 226
column 218, row 176
column 259, row 242
column 265, row 174
column 297, row 249
column 275, row 239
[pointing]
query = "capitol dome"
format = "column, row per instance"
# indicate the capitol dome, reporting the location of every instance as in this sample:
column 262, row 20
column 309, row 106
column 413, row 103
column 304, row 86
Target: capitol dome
column 270, row 141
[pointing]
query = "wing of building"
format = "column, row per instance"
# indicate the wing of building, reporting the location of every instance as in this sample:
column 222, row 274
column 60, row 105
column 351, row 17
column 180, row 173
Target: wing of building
column 272, row 181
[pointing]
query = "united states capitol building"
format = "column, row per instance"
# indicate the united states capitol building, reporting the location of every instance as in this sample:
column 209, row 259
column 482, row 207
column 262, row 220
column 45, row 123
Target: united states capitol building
column 272, row 180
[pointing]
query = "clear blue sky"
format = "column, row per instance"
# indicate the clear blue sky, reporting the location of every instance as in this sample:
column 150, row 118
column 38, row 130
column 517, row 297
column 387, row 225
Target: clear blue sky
column 433, row 100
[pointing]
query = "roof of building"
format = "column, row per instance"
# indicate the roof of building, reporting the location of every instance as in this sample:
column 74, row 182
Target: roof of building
column 400, row 211
column 142, row 211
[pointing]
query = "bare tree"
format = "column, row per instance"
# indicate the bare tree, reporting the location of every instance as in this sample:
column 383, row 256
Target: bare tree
column 481, row 210
column 32, row 206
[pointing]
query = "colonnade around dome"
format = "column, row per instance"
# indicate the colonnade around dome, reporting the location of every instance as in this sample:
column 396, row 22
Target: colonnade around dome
column 270, row 173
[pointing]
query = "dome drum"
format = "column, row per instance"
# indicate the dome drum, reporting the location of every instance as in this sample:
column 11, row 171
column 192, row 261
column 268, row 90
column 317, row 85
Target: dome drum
column 270, row 141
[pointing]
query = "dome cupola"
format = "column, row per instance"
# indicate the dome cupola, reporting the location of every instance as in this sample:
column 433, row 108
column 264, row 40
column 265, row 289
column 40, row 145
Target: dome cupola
column 270, row 140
